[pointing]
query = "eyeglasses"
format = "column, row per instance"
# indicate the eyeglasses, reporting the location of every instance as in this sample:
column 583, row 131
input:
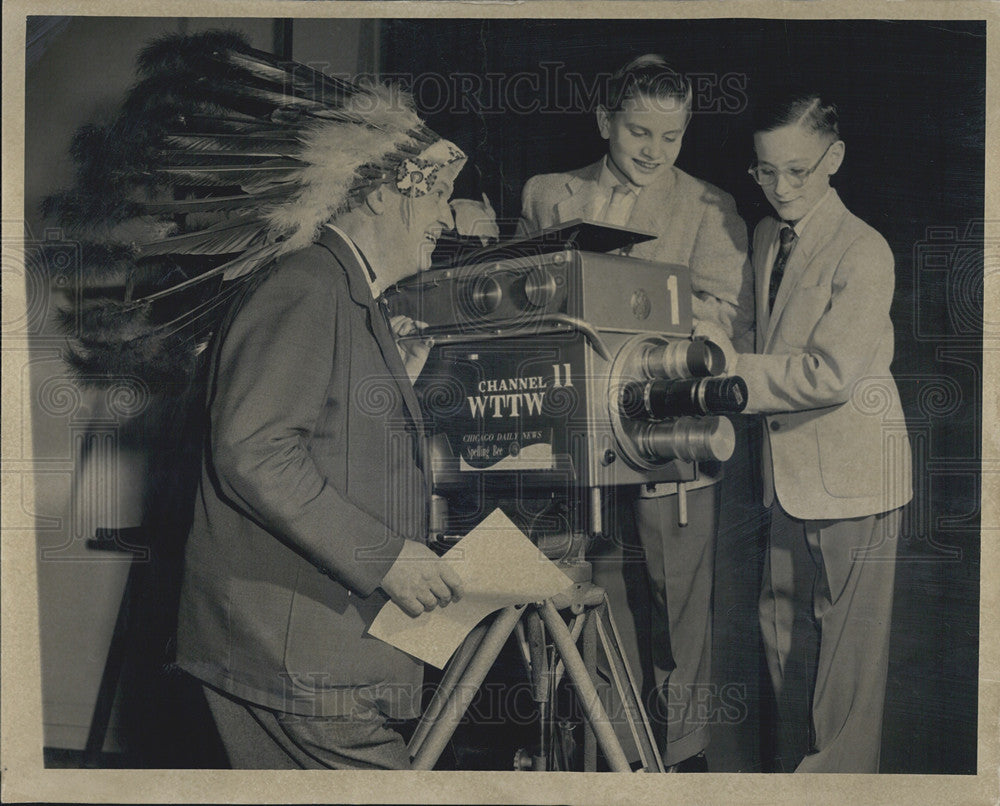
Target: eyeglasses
column 768, row 176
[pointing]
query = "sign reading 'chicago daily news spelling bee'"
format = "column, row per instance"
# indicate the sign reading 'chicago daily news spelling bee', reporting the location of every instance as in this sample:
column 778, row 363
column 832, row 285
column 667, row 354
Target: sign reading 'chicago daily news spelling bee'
column 511, row 401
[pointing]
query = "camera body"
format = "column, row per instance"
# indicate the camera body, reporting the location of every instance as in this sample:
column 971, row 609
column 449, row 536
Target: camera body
column 559, row 369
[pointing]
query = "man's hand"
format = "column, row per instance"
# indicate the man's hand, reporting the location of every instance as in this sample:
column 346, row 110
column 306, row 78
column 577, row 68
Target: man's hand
column 716, row 334
column 419, row 580
column 413, row 351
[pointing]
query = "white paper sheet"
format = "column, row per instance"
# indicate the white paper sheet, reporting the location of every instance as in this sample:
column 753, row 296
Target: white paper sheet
column 498, row 566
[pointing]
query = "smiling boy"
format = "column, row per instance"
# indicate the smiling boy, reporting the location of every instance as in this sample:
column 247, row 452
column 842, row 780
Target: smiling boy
column 644, row 115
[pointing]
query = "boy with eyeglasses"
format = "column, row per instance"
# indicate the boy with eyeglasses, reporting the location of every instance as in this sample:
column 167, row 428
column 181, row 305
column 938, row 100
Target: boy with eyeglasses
column 836, row 457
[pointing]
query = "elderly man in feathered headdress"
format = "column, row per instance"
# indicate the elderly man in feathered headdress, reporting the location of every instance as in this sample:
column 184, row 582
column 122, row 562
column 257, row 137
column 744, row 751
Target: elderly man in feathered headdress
column 300, row 198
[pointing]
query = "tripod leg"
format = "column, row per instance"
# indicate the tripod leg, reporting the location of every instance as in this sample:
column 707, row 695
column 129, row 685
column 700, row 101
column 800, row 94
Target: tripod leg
column 456, row 668
column 540, row 679
column 589, row 698
column 575, row 630
column 628, row 691
column 590, row 662
column 458, row 703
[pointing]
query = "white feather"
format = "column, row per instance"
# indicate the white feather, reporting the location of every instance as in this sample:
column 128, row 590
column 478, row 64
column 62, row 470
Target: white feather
column 333, row 152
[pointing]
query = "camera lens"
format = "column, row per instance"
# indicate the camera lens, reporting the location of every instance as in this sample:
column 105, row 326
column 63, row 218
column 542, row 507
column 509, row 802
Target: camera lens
column 725, row 395
column 539, row 287
column 693, row 439
column 660, row 399
column 482, row 296
column 683, row 359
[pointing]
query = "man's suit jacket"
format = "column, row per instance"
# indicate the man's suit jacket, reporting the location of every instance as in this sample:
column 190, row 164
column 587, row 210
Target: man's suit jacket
column 310, row 484
column 697, row 226
column 835, row 433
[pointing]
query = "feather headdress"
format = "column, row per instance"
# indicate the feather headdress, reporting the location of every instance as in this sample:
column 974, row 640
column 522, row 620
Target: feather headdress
column 221, row 159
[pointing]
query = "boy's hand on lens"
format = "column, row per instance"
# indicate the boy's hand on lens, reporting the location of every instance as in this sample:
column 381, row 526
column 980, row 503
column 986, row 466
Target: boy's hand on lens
column 714, row 332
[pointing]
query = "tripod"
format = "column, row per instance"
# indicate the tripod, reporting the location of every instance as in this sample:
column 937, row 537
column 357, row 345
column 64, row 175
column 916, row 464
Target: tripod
column 477, row 654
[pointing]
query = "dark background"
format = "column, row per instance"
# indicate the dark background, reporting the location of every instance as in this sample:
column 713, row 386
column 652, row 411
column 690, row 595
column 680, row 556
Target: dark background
column 912, row 100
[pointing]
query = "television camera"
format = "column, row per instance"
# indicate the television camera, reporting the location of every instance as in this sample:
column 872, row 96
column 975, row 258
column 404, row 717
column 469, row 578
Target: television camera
column 558, row 370
column 561, row 369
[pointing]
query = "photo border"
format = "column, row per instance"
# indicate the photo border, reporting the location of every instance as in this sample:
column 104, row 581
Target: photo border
column 24, row 777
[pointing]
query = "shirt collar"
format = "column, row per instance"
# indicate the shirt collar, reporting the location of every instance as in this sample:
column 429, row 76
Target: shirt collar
column 607, row 181
column 369, row 273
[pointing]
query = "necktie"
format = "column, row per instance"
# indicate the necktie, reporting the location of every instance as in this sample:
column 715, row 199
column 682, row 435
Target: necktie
column 619, row 208
column 787, row 237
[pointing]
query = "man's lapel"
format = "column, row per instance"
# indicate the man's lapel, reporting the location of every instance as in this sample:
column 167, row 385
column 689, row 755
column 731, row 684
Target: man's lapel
column 377, row 321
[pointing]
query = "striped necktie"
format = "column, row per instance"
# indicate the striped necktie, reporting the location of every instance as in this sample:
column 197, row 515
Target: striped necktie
column 787, row 237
